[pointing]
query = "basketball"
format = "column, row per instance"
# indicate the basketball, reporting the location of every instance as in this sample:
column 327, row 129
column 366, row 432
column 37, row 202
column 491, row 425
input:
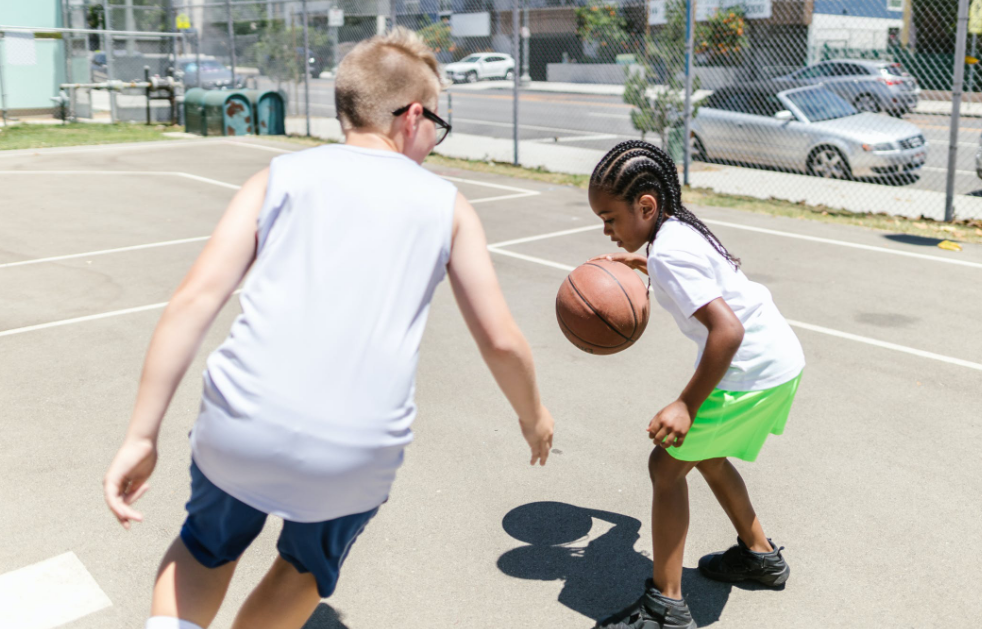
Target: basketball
column 602, row 307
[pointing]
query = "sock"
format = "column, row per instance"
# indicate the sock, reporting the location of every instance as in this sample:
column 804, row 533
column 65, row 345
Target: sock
column 167, row 622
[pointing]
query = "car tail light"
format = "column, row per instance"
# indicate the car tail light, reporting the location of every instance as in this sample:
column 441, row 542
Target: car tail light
column 890, row 81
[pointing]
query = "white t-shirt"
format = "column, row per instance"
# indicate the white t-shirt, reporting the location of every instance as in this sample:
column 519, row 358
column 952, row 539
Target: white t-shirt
column 687, row 273
column 308, row 404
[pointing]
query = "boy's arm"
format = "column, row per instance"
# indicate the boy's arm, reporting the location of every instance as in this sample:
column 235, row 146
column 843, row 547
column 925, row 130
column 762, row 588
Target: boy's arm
column 504, row 348
column 672, row 423
column 206, row 288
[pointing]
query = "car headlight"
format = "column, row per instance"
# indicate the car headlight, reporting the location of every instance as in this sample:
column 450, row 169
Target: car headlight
column 883, row 146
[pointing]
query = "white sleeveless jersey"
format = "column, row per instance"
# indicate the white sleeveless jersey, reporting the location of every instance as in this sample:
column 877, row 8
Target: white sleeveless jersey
column 308, row 404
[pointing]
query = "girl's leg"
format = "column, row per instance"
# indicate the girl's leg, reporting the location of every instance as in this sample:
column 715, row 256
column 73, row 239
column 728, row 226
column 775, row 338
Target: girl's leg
column 186, row 589
column 669, row 519
column 731, row 492
column 284, row 599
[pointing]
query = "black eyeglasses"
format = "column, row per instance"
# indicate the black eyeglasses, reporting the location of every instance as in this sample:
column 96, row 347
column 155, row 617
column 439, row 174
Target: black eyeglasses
column 442, row 126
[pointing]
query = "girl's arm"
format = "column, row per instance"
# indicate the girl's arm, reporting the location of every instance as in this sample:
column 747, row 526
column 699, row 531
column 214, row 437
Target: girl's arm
column 672, row 423
column 636, row 261
column 207, row 287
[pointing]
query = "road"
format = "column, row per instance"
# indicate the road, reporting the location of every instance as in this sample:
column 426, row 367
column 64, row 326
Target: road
column 597, row 122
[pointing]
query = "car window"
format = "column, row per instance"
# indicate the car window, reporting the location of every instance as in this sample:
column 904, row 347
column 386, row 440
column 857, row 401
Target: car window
column 470, row 59
column 855, row 69
column 813, row 72
column 493, row 59
column 821, row 104
column 764, row 103
column 211, row 65
column 892, row 70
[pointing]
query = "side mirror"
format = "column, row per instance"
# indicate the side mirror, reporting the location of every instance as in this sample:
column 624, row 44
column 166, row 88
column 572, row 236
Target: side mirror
column 784, row 115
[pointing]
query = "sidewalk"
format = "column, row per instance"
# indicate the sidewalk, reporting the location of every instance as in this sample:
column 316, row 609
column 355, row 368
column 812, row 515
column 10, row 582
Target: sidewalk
column 930, row 103
column 853, row 196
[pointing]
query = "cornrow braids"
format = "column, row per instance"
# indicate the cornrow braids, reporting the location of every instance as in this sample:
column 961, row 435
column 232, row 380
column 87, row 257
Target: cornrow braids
column 634, row 168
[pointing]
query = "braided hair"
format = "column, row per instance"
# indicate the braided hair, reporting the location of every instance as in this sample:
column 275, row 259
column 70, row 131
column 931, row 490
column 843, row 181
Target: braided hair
column 634, row 168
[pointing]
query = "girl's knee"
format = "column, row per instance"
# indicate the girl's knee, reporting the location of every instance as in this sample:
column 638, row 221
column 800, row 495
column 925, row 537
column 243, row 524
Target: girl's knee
column 664, row 468
column 711, row 467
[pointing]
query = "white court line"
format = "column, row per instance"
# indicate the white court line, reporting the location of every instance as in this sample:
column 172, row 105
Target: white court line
column 520, row 193
column 132, row 146
column 843, row 243
column 104, row 315
column 565, row 232
column 49, row 594
column 798, row 324
column 262, row 147
column 142, row 173
column 105, row 251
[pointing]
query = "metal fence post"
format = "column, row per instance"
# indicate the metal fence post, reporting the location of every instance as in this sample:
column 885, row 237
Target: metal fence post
column 961, row 38
column 107, row 43
column 68, row 43
column 515, row 43
column 306, row 66
column 690, row 10
column 3, row 89
column 231, row 38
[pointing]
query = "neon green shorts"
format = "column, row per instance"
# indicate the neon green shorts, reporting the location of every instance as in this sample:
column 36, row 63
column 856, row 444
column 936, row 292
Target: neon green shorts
column 736, row 423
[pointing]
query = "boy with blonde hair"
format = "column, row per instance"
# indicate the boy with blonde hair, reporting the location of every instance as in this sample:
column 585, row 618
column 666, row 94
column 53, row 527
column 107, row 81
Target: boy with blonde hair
column 307, row 405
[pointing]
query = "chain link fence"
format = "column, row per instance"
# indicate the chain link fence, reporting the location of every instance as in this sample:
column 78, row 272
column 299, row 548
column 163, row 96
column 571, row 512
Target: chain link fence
column 848, row 104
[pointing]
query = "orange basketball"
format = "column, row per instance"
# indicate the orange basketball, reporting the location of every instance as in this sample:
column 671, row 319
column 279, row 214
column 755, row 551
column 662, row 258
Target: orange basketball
column 602, row 307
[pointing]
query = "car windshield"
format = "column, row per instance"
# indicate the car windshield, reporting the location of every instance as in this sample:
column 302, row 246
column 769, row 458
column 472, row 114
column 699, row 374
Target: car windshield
column 821, row 104
column 471, row 59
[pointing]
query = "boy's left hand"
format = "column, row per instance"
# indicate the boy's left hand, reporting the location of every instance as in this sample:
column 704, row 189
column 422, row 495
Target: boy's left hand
column 670, row 426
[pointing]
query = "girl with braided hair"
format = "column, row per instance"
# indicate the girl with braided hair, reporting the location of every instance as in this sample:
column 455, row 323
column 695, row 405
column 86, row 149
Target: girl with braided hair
column 748, row 367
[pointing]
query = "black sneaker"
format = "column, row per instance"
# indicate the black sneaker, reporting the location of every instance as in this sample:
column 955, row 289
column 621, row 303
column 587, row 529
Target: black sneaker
column 739, row 563
column 651, row 611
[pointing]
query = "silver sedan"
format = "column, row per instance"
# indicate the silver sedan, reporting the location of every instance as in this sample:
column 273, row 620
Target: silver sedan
column 806, row 129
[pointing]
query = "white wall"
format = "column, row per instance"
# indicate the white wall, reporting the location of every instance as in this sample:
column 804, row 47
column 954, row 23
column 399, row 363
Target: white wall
column 865, row 33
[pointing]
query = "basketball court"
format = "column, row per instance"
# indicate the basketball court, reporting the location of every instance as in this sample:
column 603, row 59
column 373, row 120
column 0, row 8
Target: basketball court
column 873, row 489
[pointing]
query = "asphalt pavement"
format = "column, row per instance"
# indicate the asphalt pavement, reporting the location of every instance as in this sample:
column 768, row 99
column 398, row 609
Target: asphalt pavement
column 872, row 490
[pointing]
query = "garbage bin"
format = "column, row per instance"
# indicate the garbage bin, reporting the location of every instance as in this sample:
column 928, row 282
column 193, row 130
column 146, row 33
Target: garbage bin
column 269, row 110
column 217, row 112
column 676, row 144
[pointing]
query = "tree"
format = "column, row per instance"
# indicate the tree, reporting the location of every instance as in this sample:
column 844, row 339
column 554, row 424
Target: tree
column 437, row 36
column 600, row 24
column 662, row 58
column 721, row 38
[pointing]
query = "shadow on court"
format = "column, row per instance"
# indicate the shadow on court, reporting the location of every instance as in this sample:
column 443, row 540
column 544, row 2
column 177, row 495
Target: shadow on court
column 325, row 617
column 602, row 576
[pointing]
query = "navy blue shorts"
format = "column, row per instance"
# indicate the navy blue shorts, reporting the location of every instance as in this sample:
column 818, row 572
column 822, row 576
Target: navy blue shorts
column 219, row 528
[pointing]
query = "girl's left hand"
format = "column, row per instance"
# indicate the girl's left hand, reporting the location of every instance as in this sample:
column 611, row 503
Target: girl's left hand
column 670, row 426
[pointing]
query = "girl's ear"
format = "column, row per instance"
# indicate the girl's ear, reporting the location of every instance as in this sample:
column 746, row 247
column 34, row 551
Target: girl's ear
column 648, row 205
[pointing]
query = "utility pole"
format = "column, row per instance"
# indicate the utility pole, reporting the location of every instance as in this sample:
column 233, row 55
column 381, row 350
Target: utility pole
column 961, row 38
column 515, row 54
column 130, row 26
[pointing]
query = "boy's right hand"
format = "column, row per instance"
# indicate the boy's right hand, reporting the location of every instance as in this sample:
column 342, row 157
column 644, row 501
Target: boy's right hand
column 538, row 432
column 635, row 261
column 126, row 479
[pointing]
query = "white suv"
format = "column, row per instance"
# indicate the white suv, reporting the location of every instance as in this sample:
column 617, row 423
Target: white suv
column 483, row 65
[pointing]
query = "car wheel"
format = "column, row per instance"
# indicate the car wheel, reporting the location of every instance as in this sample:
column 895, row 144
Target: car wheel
column 865, row 102
column 827, row 162
column 471, row 77
column 699, row 150
column 510, row 75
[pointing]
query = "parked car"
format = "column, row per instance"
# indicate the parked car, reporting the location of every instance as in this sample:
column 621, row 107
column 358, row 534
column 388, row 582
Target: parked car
column 315, row 63
column 480, row 66
column 978, row 159
column 807, row 129
column 214, row 75
column 897, row 92
column 126, row 67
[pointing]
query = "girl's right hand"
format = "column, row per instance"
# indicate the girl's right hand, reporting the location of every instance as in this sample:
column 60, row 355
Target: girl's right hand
column 126, row 479
column 635, row 261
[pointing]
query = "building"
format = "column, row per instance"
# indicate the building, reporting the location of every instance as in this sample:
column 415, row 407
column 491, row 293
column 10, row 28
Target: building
column 854, row 27
column 32, row 68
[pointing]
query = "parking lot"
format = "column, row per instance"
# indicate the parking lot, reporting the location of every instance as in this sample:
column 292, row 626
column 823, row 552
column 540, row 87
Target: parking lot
column 873, row 489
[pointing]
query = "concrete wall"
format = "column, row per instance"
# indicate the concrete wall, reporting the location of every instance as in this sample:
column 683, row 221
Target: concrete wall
column 605, row 73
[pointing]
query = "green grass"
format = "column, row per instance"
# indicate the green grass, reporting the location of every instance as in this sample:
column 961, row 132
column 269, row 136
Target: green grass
column 33, row 136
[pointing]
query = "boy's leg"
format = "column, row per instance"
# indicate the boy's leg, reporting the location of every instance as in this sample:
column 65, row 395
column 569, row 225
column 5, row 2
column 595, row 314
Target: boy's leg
column 188, row 590
column 284, row 599
column 669, row 519
column 731, row 492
